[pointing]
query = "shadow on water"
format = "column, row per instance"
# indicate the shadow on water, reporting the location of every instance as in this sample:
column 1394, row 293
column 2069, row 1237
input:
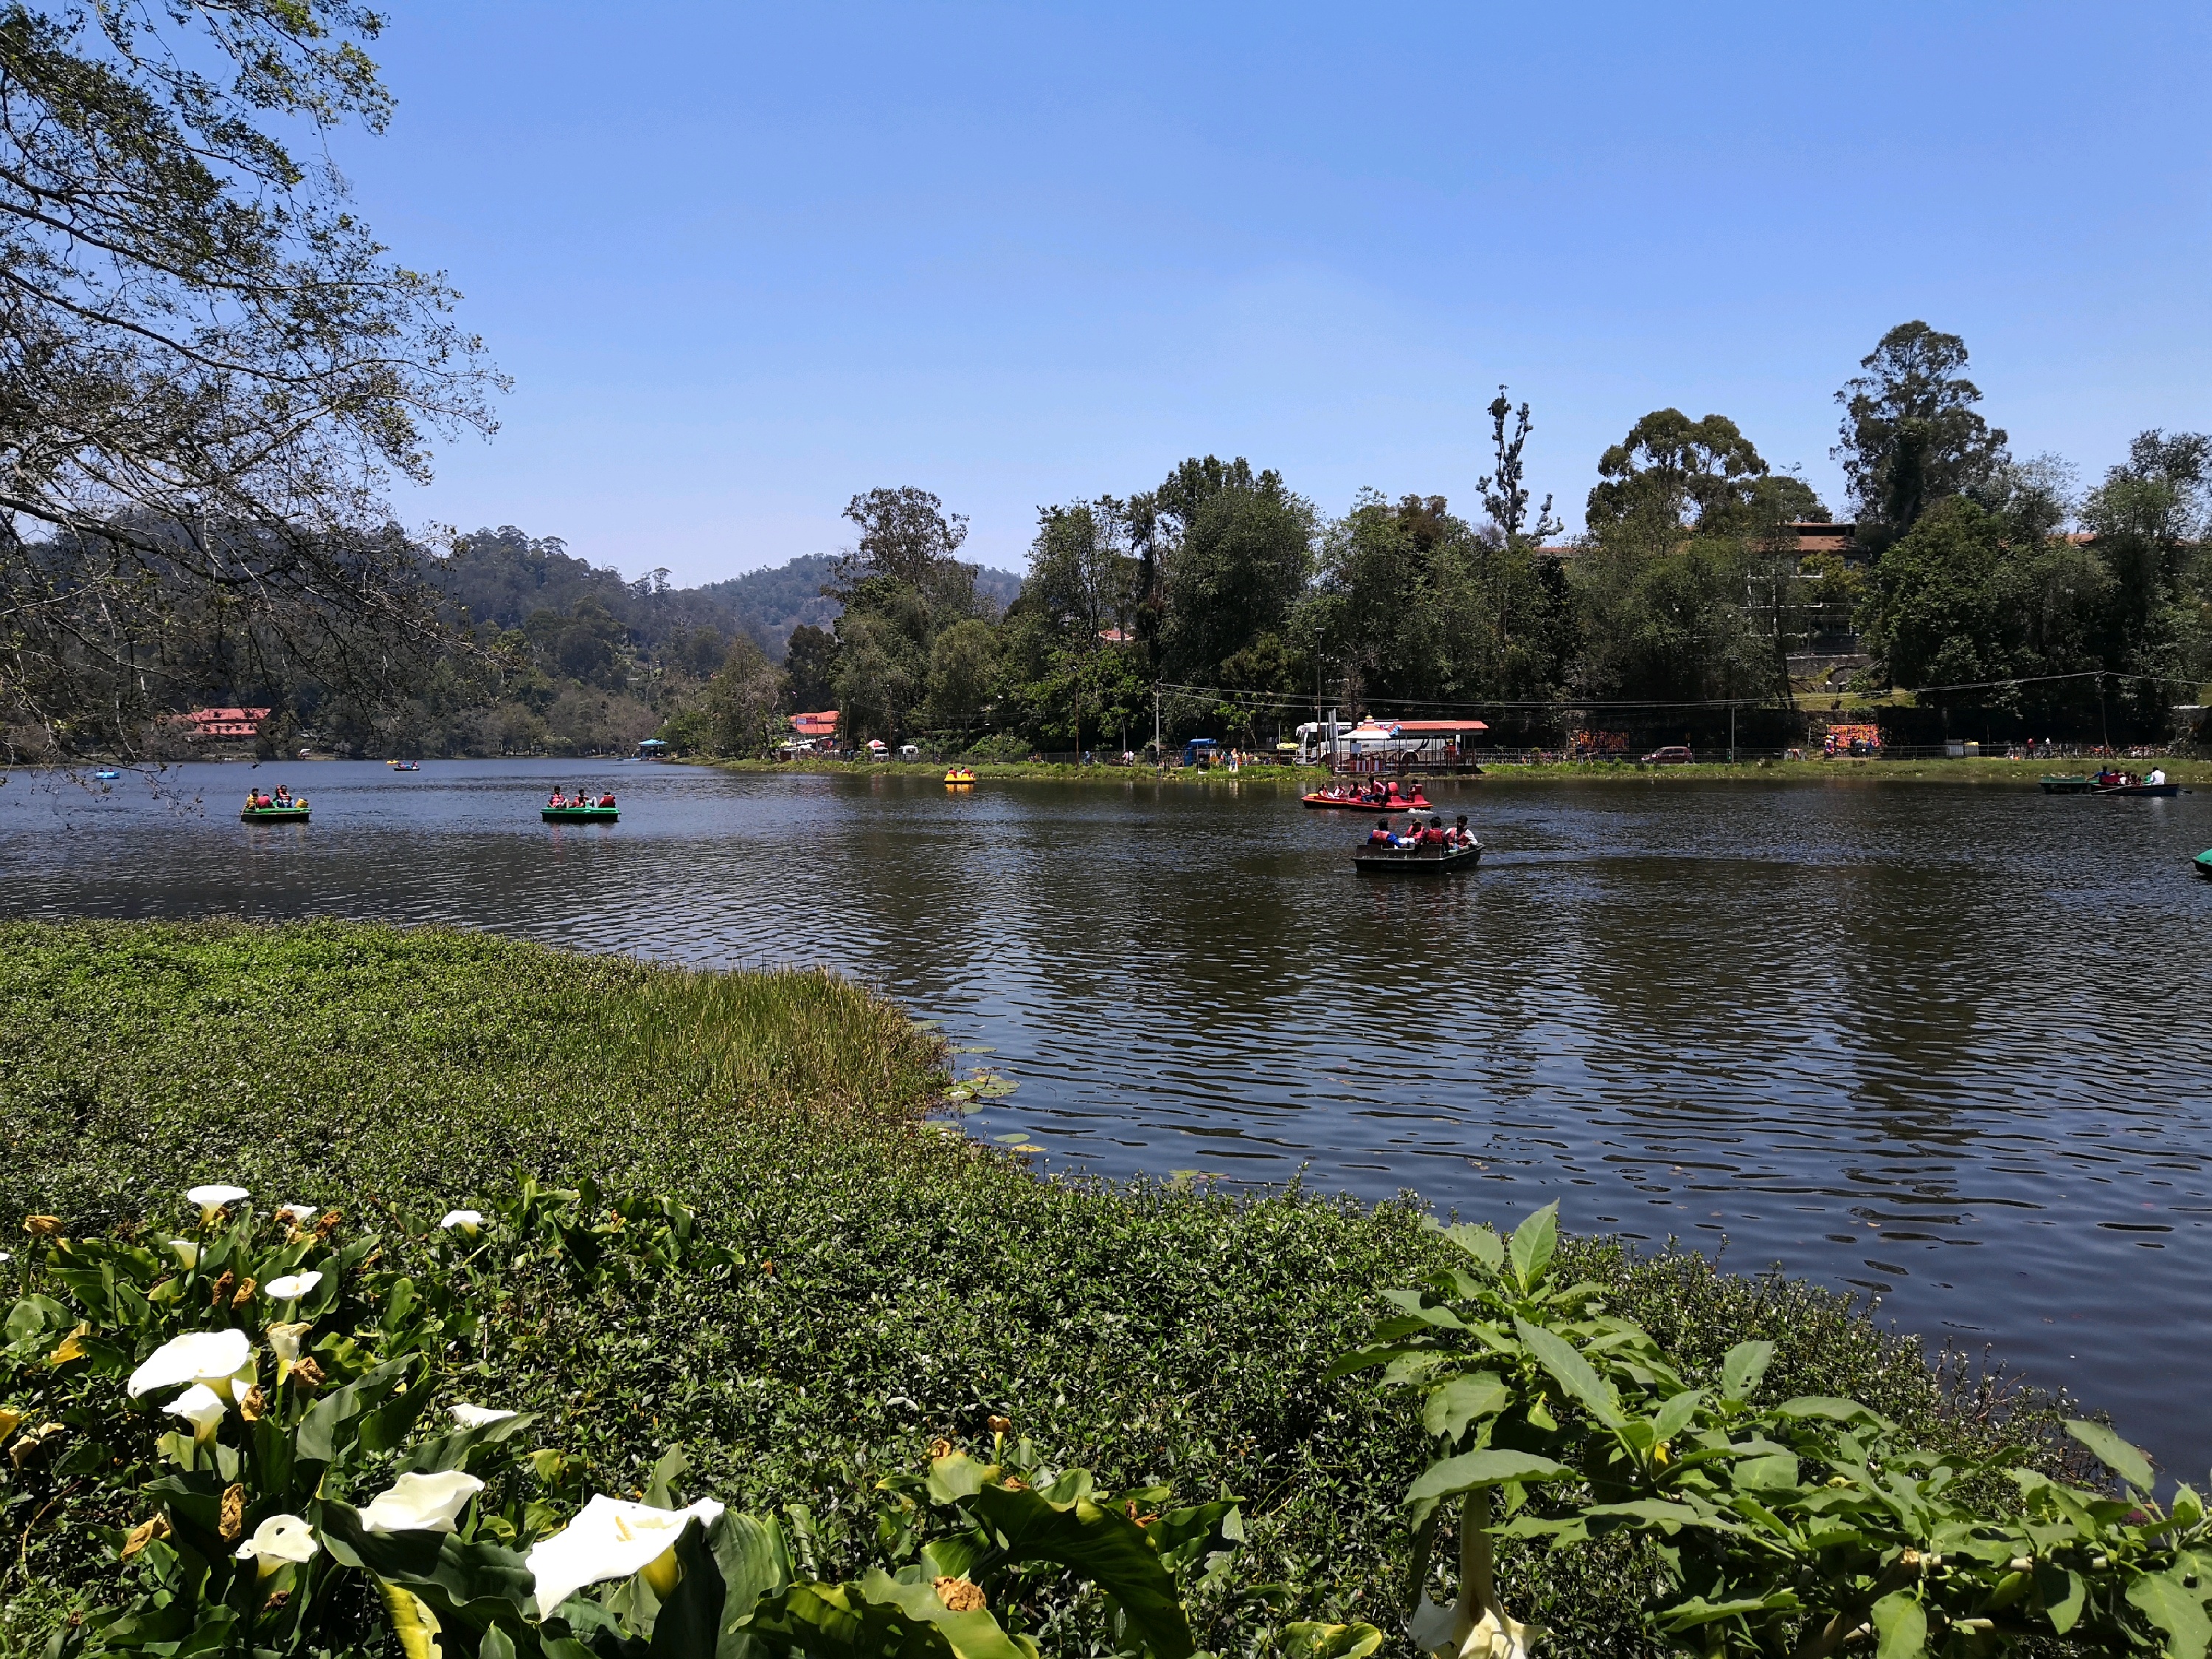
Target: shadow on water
column 1941, row 1044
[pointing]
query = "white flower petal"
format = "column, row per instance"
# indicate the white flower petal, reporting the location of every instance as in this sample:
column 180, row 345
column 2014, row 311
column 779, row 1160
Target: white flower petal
column 195, row 1357
column 467, row 1220
column 215, row 1198
column 421, row 1502
column 301, row 1213
column 187, row 1253
column 478, row 1416
column 285, row 1339
column 200, row 1405
column 611, row 1539
column 280, row 1538
column 292, row 1285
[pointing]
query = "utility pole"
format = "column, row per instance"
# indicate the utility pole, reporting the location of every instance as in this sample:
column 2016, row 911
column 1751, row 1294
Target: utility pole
column 1159, row 755
column 1731, row 734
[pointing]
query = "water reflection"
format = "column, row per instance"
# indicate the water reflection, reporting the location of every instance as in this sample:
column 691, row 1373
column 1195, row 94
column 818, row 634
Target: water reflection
column 1938, row 1043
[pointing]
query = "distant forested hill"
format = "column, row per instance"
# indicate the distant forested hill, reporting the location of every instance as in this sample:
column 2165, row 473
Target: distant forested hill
column 783, row 597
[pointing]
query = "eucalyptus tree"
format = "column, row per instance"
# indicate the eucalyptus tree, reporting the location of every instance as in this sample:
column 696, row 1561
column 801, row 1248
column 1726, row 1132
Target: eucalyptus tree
column 1910, row 434
column 209, row 369
column 901, row 585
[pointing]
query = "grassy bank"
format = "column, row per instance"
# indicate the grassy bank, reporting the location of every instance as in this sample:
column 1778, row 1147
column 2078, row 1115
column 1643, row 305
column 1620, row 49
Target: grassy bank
column 895, row 1283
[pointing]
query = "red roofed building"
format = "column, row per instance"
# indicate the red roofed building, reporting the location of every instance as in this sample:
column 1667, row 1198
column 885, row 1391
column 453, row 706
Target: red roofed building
column 821, row 723
column 222, row 725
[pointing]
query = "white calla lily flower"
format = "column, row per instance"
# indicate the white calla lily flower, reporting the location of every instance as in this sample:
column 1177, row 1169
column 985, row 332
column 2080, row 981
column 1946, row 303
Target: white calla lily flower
column 201, row 1406
column 299, row 1214
column 210, row 1357
column 421, row 1502
column 280, row 1539
column 292, row 1286
column 612, row 1538
column 469, row 1221
column 212, row 1199
column 285, row 1340
column 478, row 1416
column 188, row 1254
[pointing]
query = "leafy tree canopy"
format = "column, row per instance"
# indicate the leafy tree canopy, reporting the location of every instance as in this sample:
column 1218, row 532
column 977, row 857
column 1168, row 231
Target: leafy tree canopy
column 1910, row 435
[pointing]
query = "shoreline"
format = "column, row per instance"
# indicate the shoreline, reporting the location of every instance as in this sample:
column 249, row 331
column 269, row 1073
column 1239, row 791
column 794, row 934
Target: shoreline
column 2189, row 772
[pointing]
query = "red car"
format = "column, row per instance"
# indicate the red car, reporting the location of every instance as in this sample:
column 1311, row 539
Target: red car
column 1674, row 754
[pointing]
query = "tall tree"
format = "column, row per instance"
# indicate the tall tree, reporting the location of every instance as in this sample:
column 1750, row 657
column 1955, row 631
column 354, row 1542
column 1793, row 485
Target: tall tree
column 1504, row 489
column 1672, row 474
column 1910, row 434
column 810, row 666
column 209, row 368
column 901, row 585
column 1237, row 556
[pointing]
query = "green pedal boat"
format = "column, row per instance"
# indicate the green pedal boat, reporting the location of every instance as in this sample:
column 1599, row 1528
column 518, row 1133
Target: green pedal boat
column 2204, row 864
column 272, row 815
column 580, row 814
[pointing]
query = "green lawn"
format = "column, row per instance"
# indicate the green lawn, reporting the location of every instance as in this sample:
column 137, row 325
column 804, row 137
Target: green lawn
column 897, row 1283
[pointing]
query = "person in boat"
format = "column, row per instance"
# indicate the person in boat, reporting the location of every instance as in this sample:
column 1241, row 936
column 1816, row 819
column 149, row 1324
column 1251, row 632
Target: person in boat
column 283, row 797
column 1380, row 836
column 607, row 799
column 1460, row 835
column 1433, row 839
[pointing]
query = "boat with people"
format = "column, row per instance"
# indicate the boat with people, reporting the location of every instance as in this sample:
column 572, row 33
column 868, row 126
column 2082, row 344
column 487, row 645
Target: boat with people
column 2111, row 782
column 2204, row 862
column 959, row 777
column 1428, row 849
column 281, row 807
column 2072, row 783
column 404, row 765
column 580, row 808
column 107, row 774
column 1374, row 796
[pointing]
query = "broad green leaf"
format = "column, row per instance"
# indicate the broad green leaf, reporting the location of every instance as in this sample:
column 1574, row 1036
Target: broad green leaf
column 1572, row 1371
column 1452, row 1405
column 1902, row 1624
column 751, row 1556
column 690, row 1623
column 660, row 1485
column 1316, row 1641
column 1687, row 1615
column 958, row 1476
column 451, row 1451
column 975, row 1635
column 1743, row 1367
column 1769, row 1474
column 1535, row 1241
column 2174, row 1608
column 1105, row 1547
column 1676, row 1414
column 1480, row 1243
column 2065, row 1595
column 2114, row 1453
column 458, row 1573
column 496, row 1644
column 1668, row 1517
column 1480, row 1468
column 1822, row 1406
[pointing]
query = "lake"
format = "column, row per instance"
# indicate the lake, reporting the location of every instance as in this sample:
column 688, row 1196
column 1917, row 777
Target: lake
column 1942, row 1044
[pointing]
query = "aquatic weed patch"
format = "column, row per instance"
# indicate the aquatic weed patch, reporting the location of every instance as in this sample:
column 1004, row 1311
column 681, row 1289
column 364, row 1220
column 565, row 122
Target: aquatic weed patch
column 887, row 1283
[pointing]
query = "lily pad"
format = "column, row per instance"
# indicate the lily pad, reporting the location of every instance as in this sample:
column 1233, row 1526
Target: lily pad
column 993, row 1088
column 1011, row 1139
column 974, row 1048
column 960, row 1091
column 925, row 1025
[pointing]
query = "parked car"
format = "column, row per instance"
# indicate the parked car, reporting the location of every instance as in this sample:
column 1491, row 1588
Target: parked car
column 1674, row 754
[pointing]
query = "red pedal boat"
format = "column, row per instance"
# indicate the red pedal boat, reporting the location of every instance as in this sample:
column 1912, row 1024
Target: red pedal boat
column 1417, row 803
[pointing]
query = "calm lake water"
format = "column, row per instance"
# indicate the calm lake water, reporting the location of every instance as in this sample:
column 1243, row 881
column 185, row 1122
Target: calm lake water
column 1944, row 1043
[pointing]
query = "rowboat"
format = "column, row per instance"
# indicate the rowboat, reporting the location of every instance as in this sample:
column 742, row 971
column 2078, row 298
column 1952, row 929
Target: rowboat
column 2072, row 784
column 1419, row 803
column 2204, row 864
column 1392, row 862
column 580, row 814
column 272, row 815
column 2138, row 789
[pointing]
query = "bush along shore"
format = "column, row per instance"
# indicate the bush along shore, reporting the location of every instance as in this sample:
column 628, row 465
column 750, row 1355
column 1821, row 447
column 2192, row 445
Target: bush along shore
column 384, row 1287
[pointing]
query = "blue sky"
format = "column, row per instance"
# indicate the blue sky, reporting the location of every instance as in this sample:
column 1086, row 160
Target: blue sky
column 742, row 262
